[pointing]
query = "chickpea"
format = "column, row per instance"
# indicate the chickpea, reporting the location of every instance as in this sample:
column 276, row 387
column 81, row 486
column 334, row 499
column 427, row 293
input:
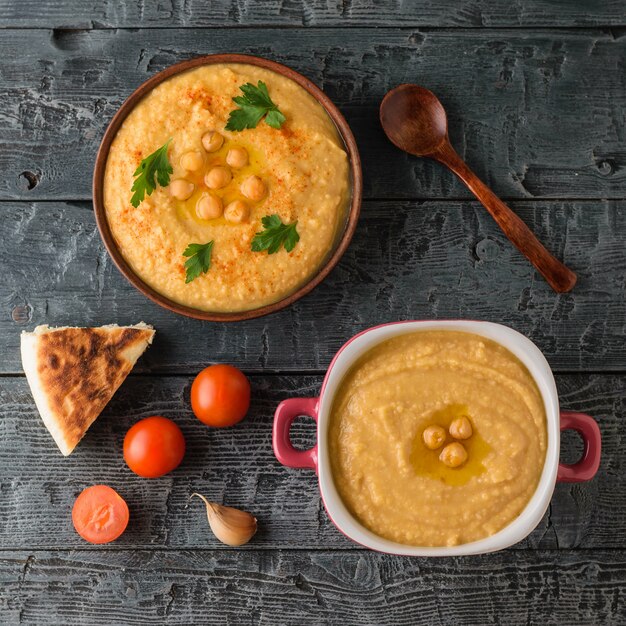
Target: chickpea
column 237, row 212
column 218, row 177
column 191, row 161
column 209, row 207
column 461, row 428
column 212, row 141
column 181, row 189
column 433, row 436
column 253, row 187
column 453, row 455
column 237, row 157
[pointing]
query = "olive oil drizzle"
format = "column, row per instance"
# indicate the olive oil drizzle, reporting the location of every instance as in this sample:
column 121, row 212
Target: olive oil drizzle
column 186, row 209
column 426, row 462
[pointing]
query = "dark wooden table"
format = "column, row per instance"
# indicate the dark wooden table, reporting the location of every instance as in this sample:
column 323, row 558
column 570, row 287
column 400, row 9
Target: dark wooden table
column 536, row 93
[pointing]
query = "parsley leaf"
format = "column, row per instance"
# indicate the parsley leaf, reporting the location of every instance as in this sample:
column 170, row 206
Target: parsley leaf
column 275, row 234
column 254, row 104
column 155, row 164
column 275, row 118
column 199, row 260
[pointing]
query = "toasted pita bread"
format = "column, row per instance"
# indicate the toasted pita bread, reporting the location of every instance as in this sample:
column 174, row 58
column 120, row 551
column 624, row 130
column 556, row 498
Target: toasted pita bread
column 74, row 372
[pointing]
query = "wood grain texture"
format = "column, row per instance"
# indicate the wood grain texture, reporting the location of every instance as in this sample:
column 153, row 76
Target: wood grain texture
column 237, row 466
column 535, row 114
column 295, row 588
column 343, row 13
column 536, row 95
column 408, row 260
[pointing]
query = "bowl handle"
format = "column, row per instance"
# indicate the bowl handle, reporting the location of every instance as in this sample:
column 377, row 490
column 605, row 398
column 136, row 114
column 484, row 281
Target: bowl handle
column 588, row 429
column 284, row 451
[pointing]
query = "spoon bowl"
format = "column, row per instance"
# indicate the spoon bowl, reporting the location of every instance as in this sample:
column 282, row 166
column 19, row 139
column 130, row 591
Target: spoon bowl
column 415, row 121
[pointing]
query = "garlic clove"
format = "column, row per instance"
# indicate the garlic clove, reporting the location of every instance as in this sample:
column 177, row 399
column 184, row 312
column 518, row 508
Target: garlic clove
column 231, row 526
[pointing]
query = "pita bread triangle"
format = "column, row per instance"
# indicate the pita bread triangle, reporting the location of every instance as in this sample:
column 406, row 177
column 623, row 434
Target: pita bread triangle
column 74, row 372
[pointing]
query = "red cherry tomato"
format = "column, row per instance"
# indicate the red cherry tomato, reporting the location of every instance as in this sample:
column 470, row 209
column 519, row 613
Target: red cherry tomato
column 220, row 395
column 153, row 447
column 100, row 514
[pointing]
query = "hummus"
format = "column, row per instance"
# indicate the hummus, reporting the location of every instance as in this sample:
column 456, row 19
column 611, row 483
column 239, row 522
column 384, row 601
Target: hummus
column 401, row 489
column 303, row 171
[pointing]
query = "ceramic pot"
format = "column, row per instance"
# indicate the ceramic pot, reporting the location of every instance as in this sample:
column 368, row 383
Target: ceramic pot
column 317, row 458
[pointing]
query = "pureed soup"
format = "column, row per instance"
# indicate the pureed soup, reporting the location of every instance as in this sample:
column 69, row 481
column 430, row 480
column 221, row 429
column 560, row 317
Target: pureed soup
column 224, row 183
column 437, row 438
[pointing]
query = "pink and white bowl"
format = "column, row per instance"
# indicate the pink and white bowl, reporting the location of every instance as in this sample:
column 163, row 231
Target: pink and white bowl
column 317, row 457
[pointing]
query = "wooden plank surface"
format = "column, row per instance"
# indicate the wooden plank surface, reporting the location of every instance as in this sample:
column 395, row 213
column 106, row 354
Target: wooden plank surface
column 309, row 13
column 536, row 95
column 537, row 114
column 312, row 588
column 408, row 260
column 237, row 466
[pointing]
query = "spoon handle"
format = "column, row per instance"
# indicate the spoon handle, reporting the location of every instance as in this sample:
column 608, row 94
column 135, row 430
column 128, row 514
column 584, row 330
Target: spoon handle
column 560, row 277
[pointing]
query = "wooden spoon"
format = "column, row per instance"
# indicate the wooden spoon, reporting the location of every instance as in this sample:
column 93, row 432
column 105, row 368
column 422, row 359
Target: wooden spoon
column 415, row 121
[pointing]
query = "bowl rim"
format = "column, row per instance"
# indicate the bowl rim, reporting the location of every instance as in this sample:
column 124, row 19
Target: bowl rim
column 356, row 179
column 518, row 528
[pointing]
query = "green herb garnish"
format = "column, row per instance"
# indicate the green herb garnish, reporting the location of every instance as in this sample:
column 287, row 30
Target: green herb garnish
column 275, row 234
column 254, row 105
column 199, row 260
column 155, row 164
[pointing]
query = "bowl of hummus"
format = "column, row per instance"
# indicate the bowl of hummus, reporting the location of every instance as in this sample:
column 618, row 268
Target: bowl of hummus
column 437, row 438
column 226, row 187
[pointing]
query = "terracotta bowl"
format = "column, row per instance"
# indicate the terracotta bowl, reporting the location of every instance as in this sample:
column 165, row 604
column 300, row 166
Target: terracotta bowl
column 353, row 211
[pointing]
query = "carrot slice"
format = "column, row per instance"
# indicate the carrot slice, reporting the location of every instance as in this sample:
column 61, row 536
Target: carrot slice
column 100, row 514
